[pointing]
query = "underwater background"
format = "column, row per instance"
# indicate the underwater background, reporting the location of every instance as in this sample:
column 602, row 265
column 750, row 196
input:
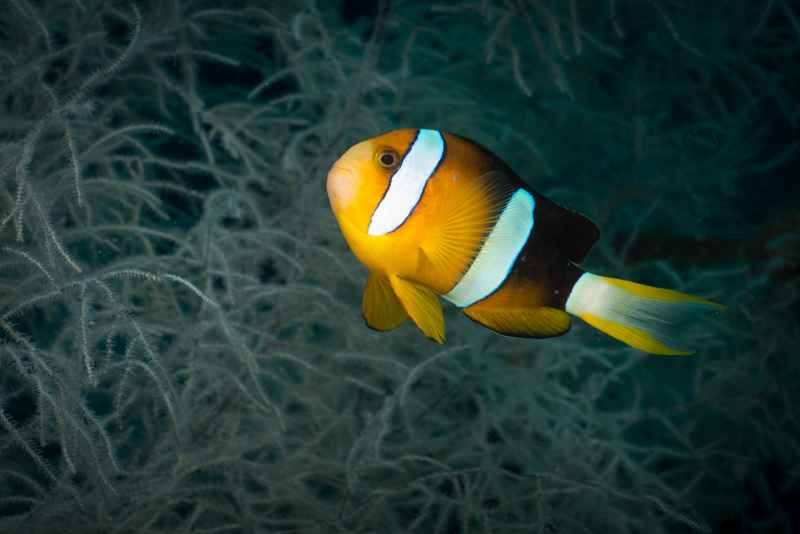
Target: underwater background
column 181, row 340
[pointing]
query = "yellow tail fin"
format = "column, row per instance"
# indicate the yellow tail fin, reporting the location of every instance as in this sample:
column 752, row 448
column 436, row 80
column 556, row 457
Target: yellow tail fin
column 647, row 318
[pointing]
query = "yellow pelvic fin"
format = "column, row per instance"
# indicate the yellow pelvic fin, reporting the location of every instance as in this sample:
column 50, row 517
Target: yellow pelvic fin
column 381, row 308
column 423, row 305
column 523, row 322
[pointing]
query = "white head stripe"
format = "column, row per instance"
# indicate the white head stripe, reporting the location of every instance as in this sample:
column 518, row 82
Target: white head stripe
column 408, row 182
column 497, row 256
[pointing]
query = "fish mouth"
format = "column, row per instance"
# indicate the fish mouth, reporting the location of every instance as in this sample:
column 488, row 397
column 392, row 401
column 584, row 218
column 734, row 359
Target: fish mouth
column 341, row 186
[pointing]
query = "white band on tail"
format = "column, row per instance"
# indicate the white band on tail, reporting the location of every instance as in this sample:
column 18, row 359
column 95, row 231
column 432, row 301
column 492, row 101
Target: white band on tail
column 589, row 295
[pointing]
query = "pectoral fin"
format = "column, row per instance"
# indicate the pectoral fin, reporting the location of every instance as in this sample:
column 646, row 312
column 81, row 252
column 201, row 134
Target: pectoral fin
column 423, row 305
column 522, row 322
column 381, row 308
column 465, row 214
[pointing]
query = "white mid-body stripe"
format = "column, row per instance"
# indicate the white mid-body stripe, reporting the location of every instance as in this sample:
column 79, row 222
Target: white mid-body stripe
column 408, row 182
column 496, row 258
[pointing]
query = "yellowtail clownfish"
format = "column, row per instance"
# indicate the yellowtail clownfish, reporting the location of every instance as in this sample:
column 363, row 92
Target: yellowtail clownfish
column 432, row 214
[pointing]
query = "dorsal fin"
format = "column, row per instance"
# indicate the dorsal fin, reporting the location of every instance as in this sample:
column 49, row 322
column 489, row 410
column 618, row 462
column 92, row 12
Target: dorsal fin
column 576, row 233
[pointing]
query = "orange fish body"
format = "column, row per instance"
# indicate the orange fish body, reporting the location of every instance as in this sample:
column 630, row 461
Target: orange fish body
column 432, row 214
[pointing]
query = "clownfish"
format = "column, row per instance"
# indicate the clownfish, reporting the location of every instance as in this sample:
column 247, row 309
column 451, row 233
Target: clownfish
column 432, row 214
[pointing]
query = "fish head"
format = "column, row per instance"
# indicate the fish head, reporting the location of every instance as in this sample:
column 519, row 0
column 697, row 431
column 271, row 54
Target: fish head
column 359, row 179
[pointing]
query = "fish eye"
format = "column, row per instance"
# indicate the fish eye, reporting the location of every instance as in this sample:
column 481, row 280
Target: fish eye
column 388, row 158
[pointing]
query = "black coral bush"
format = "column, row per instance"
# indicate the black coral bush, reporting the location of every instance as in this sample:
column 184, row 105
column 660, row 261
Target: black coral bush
column 180, row 336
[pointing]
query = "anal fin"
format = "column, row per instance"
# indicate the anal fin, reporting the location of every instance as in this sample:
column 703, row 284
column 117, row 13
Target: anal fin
column 422, row 305
column 381, row 308
column 522, row 322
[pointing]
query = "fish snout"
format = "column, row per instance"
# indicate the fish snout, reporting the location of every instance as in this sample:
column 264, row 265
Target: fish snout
column 341, row 186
